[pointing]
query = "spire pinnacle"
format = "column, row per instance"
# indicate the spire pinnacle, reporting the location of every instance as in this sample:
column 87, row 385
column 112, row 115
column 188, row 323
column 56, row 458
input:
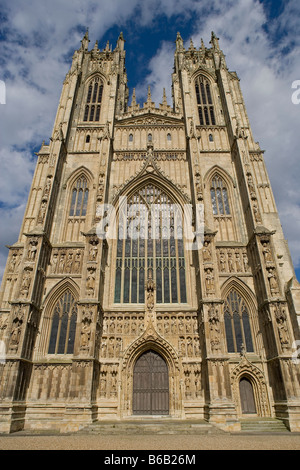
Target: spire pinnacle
column 133, row 101
column 85, row 41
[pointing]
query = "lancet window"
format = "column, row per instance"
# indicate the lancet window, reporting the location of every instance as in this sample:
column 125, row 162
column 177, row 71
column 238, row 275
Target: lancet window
column 93, row 100
column 219, row 196
column 80, row 194
column 63, row 325
column 204, row 102
column 237, row 324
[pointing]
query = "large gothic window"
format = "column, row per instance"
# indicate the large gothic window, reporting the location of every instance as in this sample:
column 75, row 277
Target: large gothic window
column 219, row 196
column 80, row 194
column 150, row 240
column 237, row 324
column 93, row 100
column 63, row 325
column 204, row 102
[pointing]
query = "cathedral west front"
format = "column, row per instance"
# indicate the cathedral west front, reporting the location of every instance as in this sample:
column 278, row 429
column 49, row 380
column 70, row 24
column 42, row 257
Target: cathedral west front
column 151, row 278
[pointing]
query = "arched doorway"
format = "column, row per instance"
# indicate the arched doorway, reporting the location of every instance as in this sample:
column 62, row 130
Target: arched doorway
column 150, row 385
column 247, row 397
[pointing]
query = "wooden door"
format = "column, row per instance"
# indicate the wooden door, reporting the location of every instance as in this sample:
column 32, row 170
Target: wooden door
column 247, row 397
column 150, row 385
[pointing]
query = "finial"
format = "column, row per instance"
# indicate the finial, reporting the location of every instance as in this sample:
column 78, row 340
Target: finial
column 164, row 97
column 85, row 41
column 192, row 47
column 214, row 41
column 179, row 41
column 133, row 101
column 149, row 94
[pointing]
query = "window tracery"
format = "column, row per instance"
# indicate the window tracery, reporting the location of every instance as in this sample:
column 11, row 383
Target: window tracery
column 219, row 196
column 204, row 102
column 63, row 325
column 237, row 324
column 80, row 194
column 150, row 239
column 93, row 100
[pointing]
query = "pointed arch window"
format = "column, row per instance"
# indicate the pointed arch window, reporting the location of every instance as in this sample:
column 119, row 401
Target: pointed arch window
column 219, row 196
column 93, row 100
column 204, row 102
column 63, row 325
column 80, row 194
column 150, row 240
column 237, row 324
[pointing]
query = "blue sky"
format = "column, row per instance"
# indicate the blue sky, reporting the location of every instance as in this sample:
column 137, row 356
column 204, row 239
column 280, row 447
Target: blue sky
column 260, row 39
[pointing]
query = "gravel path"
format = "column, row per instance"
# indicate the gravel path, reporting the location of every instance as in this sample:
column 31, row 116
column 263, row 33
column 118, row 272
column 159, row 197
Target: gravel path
column 18, row 441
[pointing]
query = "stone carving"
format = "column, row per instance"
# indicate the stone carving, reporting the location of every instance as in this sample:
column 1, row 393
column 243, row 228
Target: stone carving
column 233, row 260
column 42, row 212
column 15, row 261
column 283, row 332
column 26, row 281
column 273, row 283
column 16, row 330
column 66, row 261
column 85, row 335
column 90, row 282
column 209, row 281
column 32, row 249
column 93, row 250
column 214, row 328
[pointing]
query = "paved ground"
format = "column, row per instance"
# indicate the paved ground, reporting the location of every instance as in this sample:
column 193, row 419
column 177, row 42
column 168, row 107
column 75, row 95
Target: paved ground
column 19, row 441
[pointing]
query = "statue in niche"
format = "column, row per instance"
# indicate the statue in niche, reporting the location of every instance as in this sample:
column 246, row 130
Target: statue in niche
column 111, row 347
column 54, row 262
column 267, row 253
column 61, row 267
column 69, row 263
column 77, row 262
column 209, row 280
column 238, row 261
column 103, row 348
column 42, row 212
column 31, row 254
column 85, row 335
column 150, row 286
column 103, row 387
column 13, row 263
column 222, row 262
column 230, row 262
column 282, row 327
column 16, row 333
column 245, row 262
column 206, row 251
column 90, row 283
column 214, row 327
column 273, row 281
column 26, row 282
column 93, row 251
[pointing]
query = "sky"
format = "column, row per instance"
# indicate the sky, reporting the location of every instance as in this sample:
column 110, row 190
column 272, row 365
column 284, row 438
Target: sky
column 261, row 42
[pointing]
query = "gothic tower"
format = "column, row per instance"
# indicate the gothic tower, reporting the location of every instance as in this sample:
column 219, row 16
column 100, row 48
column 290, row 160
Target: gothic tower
column 151, row 276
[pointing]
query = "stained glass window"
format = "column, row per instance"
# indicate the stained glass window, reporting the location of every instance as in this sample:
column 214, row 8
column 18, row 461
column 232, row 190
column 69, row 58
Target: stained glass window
column 150, row 240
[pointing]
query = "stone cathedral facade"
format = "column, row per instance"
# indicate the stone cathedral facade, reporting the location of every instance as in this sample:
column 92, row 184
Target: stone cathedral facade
column 109, row 309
